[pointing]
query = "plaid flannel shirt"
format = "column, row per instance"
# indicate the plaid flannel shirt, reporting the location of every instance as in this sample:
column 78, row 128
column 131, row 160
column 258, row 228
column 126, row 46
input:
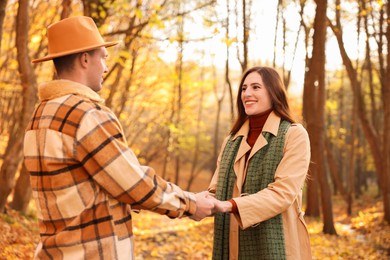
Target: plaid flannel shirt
column 85, row 179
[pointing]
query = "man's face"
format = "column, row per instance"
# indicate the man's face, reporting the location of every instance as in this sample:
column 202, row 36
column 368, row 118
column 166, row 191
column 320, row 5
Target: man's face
column 96, row 68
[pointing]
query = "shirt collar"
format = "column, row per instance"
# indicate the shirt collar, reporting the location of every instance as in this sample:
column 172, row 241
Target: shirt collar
column 58, row 88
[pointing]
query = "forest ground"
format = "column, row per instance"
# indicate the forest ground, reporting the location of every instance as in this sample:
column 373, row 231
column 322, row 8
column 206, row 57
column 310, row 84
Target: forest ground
column 363, row 235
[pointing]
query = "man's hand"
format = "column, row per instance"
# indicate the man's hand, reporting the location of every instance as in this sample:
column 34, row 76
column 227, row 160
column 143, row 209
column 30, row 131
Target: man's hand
column 221, row 206
column 204, row 206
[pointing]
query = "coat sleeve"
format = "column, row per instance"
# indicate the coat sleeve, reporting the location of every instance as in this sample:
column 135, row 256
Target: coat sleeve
column 289, row 179
column 103, row 152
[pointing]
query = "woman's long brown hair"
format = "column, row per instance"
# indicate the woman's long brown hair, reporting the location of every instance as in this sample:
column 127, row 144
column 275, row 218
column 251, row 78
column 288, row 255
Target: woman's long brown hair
column 276, row 90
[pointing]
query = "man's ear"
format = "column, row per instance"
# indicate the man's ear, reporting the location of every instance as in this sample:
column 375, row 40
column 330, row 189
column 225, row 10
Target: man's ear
column 83, row 59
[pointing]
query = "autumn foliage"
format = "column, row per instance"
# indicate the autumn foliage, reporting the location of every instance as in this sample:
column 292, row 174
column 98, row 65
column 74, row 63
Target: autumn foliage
column 361, row 236
column 174, row 92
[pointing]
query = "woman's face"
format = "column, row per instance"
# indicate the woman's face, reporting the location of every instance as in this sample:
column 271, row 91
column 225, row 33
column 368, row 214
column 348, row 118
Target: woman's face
column 255, row 96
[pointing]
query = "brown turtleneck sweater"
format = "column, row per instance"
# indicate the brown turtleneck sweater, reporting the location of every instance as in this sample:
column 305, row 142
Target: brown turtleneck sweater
column 256, row 124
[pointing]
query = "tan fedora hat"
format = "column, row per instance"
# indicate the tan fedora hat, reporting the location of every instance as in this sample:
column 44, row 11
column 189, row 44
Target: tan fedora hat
column 73, row 35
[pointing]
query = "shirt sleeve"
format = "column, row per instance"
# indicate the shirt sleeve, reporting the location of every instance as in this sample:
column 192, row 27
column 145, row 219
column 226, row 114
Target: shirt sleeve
column 289, row 179
column 103, row 152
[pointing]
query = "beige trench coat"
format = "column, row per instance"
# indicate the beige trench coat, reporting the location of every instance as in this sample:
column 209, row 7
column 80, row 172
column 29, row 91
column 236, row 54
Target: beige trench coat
column 284, row 195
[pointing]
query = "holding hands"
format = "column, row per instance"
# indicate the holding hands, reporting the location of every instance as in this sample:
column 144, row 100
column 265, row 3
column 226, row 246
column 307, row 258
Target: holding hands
column 207, row 205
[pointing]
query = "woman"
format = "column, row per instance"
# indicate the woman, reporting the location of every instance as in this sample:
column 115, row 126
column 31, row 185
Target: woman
column 260, row 175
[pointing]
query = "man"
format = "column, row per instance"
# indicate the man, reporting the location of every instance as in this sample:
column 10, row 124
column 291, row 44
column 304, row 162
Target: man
column 85, row 179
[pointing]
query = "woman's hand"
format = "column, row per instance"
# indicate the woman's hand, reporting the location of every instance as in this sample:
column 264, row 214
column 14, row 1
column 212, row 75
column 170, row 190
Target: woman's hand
column 221, row 206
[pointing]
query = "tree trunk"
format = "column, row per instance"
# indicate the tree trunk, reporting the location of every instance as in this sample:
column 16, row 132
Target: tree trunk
column 14, row 150
column 22, row 191
column 3, row 5
column 309, row 104
column 66, row 9
column 195, row 158
column 179, row 86
column 11, row 161
column 219, row 98
column 166, row 157
column 319, row 56
column 227, row 67
column 352, row 160
column 315, row 86
column 278, row 15
column 370, row 70
column 246, row 18
column 386, row 131
column 312, row 198
column 333, row 169
column 309, row 113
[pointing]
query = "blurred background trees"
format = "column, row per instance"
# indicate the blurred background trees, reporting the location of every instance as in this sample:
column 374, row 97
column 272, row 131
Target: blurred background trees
column 173, row 80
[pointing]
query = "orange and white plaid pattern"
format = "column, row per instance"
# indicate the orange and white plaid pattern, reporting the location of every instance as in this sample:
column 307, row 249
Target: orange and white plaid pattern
column 85, row 179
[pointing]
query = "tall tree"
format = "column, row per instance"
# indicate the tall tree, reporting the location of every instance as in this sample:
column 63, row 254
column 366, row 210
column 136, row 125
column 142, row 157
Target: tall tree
column 66, row 8
column 280, row 18
column 352, row 160
column 22, row 191
column 179, row 93
column 195, row 169
column 219, row 96
column 308, row 112
column 246, row 22
column 279, row 7
column 287, row 71
column 228, row 83
column 377, row 140
column 315, row 84
column 386, row 130
column 14, row 150
column 3, row 5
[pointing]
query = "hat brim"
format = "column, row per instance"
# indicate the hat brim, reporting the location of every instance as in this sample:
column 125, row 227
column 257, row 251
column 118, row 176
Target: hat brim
column 60, row 54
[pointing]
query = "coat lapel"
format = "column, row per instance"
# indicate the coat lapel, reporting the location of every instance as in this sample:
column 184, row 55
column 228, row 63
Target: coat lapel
column 271, row 126
column 239, row 162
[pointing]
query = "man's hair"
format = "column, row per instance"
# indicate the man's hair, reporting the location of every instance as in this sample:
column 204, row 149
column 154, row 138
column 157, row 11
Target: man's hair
column 66, row 63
